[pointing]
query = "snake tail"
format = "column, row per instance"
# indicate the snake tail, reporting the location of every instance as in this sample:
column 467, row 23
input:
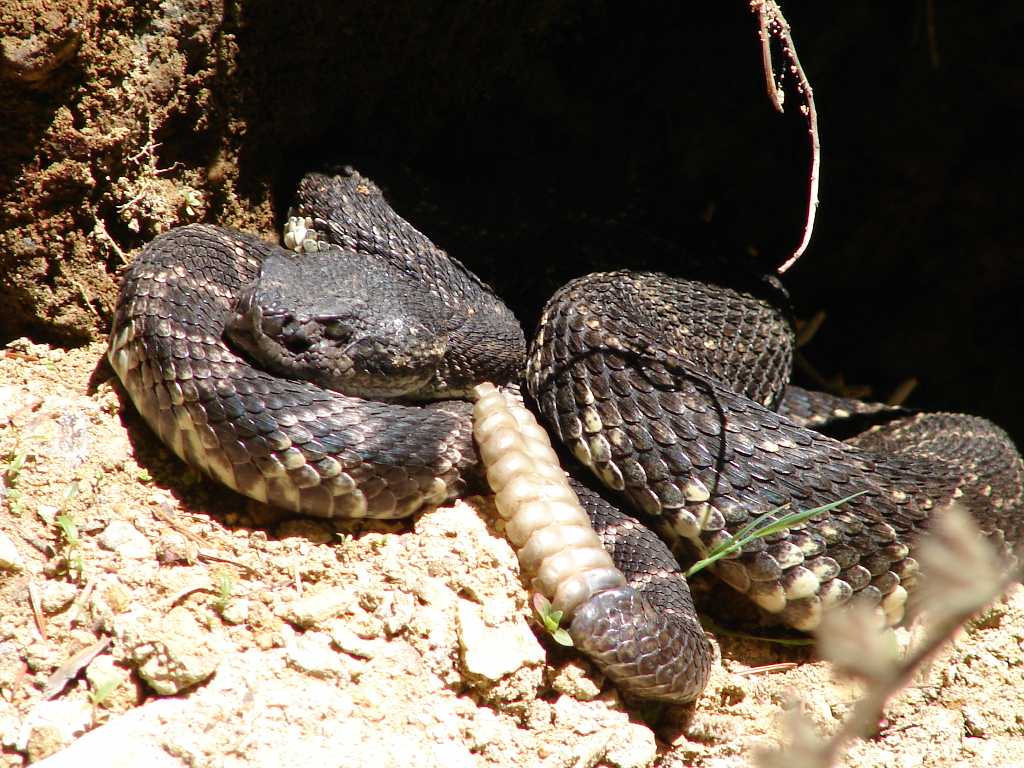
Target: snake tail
column 649, row 653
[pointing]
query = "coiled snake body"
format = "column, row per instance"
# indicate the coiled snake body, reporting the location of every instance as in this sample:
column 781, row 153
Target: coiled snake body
column 673, row 392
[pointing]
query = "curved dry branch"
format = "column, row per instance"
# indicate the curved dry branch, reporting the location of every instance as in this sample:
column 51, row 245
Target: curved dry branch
column 772, row 24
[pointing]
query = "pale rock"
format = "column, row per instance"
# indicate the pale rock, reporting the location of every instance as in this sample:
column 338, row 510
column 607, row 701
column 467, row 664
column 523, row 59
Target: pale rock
column 311, row 653
column 631, row 746
column 10, row 557
column 236, row 611
column 351, row 643
column 574, row 679
column 176, row 655
column 316, row 608
column 494, row 652
column 126, row 540
column 53, row 725
column 55, row 596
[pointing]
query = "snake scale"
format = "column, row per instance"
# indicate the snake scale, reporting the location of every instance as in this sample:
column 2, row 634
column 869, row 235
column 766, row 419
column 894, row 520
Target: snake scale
column 673, row 392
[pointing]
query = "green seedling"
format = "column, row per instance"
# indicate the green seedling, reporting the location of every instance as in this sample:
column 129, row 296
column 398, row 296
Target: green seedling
column 68, row 530
column 70, row 544
column 225, row 590
column 9, row 481
column 551, row 619
column 102, row 692
column 193, row 202
column 69, row 540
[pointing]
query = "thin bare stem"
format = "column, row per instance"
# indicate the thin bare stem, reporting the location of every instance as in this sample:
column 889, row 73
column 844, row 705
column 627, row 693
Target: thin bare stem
column 870, row 709
column 771, row 24
column 964, row 574
column 775, row 94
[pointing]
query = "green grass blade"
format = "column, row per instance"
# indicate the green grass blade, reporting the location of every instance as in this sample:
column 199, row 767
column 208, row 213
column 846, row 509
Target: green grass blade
column 758, row 528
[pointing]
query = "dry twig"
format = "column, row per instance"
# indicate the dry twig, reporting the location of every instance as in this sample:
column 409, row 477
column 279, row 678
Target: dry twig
column 962, row 575
column 772, row 24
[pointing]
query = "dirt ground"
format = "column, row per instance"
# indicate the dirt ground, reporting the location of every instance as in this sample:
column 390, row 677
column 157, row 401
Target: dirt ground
column 143, row 601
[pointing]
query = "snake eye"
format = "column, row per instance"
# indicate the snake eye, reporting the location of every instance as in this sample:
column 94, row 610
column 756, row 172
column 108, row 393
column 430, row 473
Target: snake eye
column 337, row 330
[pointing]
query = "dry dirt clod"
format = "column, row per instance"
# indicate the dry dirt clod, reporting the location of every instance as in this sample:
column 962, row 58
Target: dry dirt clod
column 317, row 608
column 311, row 653
column 175, row 654
column 632, row 746
column 126, row 540
column 10, row 558
column 494, row 652
column 53, row 725
column 576, row 679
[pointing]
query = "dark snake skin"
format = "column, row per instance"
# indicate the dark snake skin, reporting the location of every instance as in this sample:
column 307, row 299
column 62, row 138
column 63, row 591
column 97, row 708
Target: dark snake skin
column 672, row 391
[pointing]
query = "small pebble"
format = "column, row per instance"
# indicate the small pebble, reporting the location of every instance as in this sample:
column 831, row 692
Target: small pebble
column 236, row 611
column 312, row 610
column 125, row 539
column 57, row 595
column 10, row 557
column 493, row 652
column 311, row 653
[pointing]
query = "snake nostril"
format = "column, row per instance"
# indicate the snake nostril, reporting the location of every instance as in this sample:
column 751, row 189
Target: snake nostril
column 297, row 343
column 294, row 336
column 273, row 323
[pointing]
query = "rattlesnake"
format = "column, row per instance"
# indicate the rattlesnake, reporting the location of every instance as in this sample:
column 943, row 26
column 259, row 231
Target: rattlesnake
column 672, row 391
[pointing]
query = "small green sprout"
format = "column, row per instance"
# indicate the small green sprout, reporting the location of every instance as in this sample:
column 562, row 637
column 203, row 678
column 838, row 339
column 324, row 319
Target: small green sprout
column 68, row 530
column 225, row 589
column 9, row 481
column 13, row 468
column 193, row 201
column 102, row 692
column 551, row 619
column 70, row 543
column 761, row 526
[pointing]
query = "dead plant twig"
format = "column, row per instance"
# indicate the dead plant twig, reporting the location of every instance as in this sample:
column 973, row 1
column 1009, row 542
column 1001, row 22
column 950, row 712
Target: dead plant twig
column 772, row 24
column 962, row 575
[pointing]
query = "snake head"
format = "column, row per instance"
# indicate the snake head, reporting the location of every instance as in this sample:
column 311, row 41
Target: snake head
column 343, row 328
